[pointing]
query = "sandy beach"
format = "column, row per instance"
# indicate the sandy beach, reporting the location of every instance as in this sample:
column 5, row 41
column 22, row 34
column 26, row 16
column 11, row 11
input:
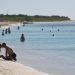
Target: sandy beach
column 8, row 23
column 15, row 68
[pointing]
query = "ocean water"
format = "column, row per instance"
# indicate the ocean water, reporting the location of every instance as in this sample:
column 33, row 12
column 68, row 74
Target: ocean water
column 49, row 46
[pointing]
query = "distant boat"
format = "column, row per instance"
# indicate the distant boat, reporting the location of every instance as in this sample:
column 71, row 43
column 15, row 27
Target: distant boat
column 27, row 22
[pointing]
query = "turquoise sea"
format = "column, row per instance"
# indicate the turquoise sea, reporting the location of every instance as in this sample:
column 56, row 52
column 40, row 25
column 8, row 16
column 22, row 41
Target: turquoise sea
column 49, row 46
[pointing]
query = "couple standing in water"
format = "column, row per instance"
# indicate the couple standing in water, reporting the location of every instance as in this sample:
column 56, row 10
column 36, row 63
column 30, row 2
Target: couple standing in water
column 9, row 54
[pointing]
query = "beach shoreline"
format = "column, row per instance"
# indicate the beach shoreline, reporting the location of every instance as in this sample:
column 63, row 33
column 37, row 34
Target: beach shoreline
column 7, row 23
column 15, row 68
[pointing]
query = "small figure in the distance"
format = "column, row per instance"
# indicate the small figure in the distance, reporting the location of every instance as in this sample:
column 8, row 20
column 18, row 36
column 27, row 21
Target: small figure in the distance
column 58, row 30
column 18, row 27
column 22, row 39
column 50, row 30
column 9, row 31
column 6, row 31
column 3, row 32
column 53, row 35
column 42, row 29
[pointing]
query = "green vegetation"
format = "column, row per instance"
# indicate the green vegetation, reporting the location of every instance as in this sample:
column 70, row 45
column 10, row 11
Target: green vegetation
column 21, row 18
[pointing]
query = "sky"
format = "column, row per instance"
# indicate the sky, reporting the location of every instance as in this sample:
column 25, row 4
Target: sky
column 39, row 7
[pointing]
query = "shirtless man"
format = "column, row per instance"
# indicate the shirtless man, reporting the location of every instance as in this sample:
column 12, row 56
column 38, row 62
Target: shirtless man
column 9, row 54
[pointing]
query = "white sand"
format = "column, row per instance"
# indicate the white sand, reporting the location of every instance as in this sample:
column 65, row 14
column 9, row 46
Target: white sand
column 10, row 25
column 15, row 68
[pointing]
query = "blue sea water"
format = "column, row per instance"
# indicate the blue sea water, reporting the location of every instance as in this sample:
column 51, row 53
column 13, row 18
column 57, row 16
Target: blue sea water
column 48, row 46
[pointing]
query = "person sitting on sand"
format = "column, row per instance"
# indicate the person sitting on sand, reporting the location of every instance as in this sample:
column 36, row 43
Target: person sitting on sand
column 9, row 54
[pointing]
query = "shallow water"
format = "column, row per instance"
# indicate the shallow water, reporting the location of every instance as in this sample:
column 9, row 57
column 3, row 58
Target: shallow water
column 41, row 50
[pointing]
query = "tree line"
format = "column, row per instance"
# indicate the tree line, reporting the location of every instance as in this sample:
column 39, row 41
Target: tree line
column 21, row 17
